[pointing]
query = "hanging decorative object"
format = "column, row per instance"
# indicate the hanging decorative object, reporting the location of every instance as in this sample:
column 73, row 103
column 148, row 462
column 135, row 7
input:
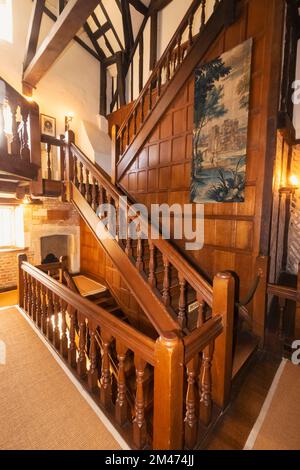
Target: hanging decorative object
column 222, row 89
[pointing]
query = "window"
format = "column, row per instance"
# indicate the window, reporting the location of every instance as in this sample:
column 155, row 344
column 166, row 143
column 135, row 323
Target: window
column 6, row 24
column 11, row 227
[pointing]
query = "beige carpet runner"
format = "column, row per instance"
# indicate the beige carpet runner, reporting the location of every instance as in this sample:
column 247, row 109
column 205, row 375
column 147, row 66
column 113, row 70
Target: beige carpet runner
column 40, row 406
column 277, row 427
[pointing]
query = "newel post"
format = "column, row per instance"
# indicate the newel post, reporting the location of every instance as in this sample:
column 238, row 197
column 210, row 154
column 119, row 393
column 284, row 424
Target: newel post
column 115, row 152
column 21, row 258
column 69, row 165
column 260, row 298
column 168, row 393
column 223, row 304
column 34, row 137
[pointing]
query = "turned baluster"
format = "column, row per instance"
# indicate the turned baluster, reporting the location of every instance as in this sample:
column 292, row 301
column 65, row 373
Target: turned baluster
column 150, row 98
column 179, row 50
column 63, row 332
column 94, row 195
column 159, row 81
column 105, row 383
column 56, row 332
column 3, row 138
column 38, row 304
column 282, row 308
column 101, row 195
column 75, row 171
column 121, row 410
column 25, row 282
column 128, row 249
column 81, row 361
column 142, row 109
column 50, row 311
column 206, row 386
column 81, row 181
column 191, row 24
column 128, row 131
column 25, row 152
column 33, row 299
column 93, row 371
column 182, row 317
column 139, row 256
column 88, row 196
column 49, row 170
column 44, row 310
column 166, row 282
column 203, row 15
column 191, row 423
column 135, row 122
column 152, row 265
column 72, row 344
column 15, row 144
column 169, row 59
column 201, row 310
column 139, row 423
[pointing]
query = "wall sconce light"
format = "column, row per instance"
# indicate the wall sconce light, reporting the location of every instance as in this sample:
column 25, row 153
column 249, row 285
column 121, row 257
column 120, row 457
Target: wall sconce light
column 68, row 119
column 27, row 200
column 293, row 185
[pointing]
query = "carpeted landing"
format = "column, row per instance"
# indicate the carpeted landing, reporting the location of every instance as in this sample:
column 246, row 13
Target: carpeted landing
column 41, row 409
column 277, row 427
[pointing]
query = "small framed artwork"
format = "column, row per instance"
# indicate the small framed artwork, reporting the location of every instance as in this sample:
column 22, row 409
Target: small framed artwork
column 48, row 125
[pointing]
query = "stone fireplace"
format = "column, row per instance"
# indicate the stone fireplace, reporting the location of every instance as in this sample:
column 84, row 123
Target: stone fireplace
column 56, row 245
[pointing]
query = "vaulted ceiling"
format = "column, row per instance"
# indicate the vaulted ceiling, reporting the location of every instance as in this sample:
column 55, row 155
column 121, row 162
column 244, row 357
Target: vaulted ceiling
column 113, row 27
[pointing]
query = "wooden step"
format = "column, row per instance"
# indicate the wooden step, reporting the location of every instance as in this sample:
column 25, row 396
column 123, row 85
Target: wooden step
column 247, row 345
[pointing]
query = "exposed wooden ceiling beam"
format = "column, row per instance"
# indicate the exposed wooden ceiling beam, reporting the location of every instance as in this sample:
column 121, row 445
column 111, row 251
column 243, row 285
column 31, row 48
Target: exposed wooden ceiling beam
column 34, row 31
column 157, row 5
column 94, row 41
column 102, row 30
column 127, row 26
column 139, row 6
column 76, row 38
column 68, row 23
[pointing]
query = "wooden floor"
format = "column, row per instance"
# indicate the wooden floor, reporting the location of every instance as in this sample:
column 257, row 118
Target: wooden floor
column 9, row 298
column 249, row 394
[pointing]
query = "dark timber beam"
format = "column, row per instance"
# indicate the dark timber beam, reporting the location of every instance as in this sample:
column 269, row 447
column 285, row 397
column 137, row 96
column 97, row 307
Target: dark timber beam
column 157, row 5
column 127, row 26
column 153, row 39
column 68, row 23
column 34, row 31
column 139, row 6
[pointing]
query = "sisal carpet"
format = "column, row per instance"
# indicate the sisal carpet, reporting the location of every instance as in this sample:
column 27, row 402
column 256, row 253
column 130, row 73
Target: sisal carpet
column 40, row 407
column 277, row 427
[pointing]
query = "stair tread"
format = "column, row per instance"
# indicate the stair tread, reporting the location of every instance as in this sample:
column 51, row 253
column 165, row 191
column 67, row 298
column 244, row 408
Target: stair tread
column 246, row 345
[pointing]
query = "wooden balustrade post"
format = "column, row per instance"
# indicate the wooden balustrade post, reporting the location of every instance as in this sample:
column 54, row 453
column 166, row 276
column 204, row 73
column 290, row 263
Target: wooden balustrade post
column 168, row 393
column 64, row 265
column 69, row 165
column 297, row 317
column 115, row 153
column 260, row 298
column 223, row 304
column 34, row 137
column 62, row 158
column 21, row 258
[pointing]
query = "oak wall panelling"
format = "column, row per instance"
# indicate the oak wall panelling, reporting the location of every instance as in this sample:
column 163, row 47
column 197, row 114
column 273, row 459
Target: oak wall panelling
column 161, row 172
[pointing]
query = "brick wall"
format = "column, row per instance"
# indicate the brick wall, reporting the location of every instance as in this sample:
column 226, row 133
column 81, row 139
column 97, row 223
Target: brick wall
column 49, row 218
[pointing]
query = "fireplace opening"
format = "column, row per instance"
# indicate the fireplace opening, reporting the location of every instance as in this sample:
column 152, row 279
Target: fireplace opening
column 53, row 247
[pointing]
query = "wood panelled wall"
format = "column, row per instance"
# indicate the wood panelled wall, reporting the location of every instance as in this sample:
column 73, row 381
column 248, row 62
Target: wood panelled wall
column 162, row 171
column 95, row 261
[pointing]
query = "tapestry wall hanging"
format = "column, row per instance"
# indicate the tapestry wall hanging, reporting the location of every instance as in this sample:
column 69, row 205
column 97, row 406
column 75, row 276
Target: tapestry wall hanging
column 222, row 89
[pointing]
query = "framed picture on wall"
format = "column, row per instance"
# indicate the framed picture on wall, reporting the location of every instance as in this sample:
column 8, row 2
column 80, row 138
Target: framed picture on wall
column 48, row 125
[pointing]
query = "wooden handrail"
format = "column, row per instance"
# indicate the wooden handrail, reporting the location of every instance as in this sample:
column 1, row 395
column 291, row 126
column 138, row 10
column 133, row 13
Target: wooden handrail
column 202, row 337
column 196, row 281
column 284, row 292
column 140, row 343
column 172, row 44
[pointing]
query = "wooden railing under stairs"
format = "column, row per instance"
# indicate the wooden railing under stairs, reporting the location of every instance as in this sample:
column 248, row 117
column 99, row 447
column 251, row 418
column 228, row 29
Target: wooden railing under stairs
column 285, row 295
column 183, row 54
column 20, row 150
column 172, row 379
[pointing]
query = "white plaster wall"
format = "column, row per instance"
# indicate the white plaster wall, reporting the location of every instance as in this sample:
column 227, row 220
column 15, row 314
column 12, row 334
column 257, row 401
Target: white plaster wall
column 72, row 84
